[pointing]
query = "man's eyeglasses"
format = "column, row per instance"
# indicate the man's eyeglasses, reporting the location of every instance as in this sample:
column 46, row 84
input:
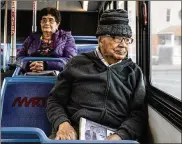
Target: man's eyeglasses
column 51, row 21
column 119, row 39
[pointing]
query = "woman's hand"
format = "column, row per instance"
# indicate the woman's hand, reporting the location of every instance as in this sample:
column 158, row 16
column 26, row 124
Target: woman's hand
column 37, row 66
column 66, row 132
column 113, row 137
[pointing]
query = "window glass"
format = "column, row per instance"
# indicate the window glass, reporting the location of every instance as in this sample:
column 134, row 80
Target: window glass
column 111, row 5
column 120, row 5
column 108, row 7
column 132, row 23
column 168, row 15
column 166, row 46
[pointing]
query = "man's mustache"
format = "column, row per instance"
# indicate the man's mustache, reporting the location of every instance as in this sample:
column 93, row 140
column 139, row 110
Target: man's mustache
column 120, row 50
column 121, row 47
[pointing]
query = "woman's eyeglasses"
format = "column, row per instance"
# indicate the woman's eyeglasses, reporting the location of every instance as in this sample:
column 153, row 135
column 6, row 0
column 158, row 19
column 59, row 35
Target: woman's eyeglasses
column 119, row 39
column 51, row 21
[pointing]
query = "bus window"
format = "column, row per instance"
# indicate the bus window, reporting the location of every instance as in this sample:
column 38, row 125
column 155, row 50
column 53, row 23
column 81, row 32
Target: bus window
column 107, row 7
column 120, row 5
column 166, row 46
column 111, row 5
column 132, row 23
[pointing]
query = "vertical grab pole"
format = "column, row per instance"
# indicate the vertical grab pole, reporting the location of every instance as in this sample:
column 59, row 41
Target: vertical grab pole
column 13, row 32
column 57, row 5
column 34, row 24
column 5, row 36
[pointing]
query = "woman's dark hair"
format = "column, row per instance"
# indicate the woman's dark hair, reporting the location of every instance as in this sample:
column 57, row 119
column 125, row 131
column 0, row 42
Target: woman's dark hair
column 52, row 11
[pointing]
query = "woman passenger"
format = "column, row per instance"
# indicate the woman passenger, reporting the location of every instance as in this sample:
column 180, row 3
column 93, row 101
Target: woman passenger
column 50, row 42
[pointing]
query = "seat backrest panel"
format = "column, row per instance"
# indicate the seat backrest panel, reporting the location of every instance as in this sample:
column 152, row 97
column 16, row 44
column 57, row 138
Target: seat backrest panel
column 24, row 104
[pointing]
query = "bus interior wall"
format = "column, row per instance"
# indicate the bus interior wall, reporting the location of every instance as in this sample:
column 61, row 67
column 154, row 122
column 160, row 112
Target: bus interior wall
column 80, row 24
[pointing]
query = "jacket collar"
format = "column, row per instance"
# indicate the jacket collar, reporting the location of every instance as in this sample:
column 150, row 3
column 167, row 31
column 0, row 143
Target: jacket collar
column 93, row 56
column 99, row 54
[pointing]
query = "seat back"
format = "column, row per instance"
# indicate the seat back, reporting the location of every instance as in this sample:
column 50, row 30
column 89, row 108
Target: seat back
column 18, row 48
column 83, row 48
column 54, row 73
column 23, row 103
column 85, row 39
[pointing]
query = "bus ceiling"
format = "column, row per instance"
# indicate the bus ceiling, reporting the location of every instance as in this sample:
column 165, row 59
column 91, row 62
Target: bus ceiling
column 63, row 5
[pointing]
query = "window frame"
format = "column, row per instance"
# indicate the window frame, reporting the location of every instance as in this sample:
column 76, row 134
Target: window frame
column 168, row 15
column 179, row 13
column 168, row 106
column 165, row 104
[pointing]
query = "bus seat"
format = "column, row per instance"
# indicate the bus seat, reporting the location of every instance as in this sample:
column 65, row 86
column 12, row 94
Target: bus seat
column 84, row 37
column 23, row 103
column 54, row 73
column 86, row 47
column 42, row 138
column 83, row 48
column 18, row 48
column 23, row 114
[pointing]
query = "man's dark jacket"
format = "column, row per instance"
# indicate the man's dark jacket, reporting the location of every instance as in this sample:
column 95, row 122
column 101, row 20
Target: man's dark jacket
column 112, row 96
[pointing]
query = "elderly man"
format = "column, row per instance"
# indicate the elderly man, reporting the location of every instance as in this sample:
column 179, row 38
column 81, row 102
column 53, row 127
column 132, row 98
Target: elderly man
column 103, row 86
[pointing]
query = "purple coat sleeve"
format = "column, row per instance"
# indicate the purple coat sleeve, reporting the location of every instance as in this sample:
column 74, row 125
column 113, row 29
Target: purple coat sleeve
column 69, row 51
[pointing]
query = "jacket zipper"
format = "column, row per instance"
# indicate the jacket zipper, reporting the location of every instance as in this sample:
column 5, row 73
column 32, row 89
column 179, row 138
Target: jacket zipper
column 106, row 94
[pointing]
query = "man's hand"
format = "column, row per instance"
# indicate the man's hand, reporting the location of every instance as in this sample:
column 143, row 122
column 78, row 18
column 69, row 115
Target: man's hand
column 37, row 66
column 113, row 137
column 66, row 132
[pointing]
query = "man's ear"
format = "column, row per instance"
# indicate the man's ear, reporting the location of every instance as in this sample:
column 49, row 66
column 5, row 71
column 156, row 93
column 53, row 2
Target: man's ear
column 99, row 41
column 100, row 38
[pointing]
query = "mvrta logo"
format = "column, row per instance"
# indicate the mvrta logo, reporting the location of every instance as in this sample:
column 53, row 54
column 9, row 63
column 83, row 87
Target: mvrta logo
column 30, row 102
